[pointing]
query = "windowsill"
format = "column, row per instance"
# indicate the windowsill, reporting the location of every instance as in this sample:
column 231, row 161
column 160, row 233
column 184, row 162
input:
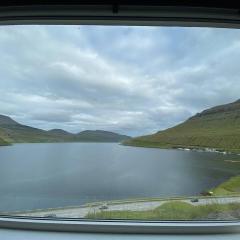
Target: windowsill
column 14, row 234
column 104, row 226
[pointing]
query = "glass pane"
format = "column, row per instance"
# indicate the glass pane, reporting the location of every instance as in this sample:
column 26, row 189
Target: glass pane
column 113, row 122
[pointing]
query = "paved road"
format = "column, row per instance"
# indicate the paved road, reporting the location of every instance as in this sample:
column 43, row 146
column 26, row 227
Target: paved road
column 82, row 211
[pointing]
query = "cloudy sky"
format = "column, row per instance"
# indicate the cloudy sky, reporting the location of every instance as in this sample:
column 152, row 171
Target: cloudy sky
column 132, row 80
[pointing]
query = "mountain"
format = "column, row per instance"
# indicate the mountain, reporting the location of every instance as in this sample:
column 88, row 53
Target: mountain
column 5, row 120
column 100, row 136
column 217, row 127
column 14, row 132
column 59, row 132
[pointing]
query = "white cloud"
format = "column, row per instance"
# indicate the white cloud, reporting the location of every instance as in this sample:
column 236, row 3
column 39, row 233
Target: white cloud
column 134, row 80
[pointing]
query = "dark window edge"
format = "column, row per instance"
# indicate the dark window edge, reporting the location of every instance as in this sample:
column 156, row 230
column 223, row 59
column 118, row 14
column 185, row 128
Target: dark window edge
column 122, row 15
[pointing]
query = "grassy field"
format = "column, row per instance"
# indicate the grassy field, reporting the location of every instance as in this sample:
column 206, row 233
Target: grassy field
column 229, row 187
column 217, row 128
column 174, row 210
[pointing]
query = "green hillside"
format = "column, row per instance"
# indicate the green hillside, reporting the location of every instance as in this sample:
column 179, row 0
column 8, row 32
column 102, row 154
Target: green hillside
column 60, row 132
column 100, row 136
column 217, row 127
column 3, row 142
column 229, row 187
column 13, row 132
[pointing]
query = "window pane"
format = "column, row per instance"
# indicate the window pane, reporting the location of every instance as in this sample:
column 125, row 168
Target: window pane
column 114, row 122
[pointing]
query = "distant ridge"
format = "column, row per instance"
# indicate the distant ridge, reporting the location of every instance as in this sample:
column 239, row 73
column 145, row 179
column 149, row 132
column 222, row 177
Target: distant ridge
column 5, row 120
column 59, row 132
column 225, row 108
column 99, row 135
column 13, row 132
column 217, row 127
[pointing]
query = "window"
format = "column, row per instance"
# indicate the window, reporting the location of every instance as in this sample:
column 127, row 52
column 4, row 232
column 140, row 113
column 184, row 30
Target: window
column 116, row 122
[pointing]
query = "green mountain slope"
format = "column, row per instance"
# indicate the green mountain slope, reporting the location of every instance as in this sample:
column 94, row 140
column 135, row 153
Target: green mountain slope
column 59, row 132
column 3, row 142
column 5, row 120
column 13, row 132
column 100, row 136
column 217, row 127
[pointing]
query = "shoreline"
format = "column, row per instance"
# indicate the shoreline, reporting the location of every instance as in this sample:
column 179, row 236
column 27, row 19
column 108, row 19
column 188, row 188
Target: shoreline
column 82, row 211
column 183, row 148
column 218, row 195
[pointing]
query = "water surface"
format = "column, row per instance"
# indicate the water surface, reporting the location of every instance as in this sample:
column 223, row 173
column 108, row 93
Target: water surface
column 61, row 174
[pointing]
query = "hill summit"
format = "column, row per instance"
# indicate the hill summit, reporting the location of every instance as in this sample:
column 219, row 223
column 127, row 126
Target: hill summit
column 5, row 120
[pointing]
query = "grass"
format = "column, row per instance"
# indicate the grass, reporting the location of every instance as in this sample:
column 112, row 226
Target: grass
column 3, row 142
column 229, row 187
column 174, row 210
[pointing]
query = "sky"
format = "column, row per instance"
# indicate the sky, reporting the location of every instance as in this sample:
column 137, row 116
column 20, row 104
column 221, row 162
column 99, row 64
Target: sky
column 130, row 80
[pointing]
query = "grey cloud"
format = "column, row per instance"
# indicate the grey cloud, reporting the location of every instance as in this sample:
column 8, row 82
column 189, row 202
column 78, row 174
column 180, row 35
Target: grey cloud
column 133, row 80
column 52, row 116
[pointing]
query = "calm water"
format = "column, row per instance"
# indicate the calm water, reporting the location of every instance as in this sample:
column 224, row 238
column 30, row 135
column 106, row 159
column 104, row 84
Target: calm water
column 60, row 174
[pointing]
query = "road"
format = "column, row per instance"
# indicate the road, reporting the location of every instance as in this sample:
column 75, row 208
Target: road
column 82, row 211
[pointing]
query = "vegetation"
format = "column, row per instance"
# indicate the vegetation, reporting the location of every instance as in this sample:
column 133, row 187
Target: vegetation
column 218, row 128
column 230, row 187
column 174, row 210
column 13, row 132
column 99, row 136
column 3, row 142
